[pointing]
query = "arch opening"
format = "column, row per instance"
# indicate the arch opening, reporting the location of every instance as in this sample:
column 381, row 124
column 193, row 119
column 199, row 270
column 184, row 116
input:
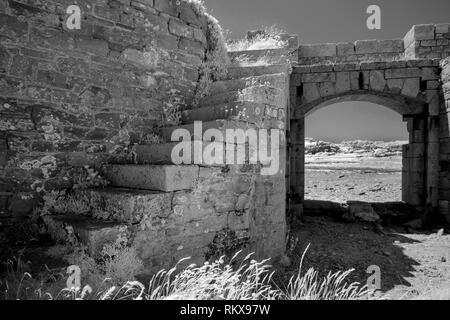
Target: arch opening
column 379, row 168
column 353, row 152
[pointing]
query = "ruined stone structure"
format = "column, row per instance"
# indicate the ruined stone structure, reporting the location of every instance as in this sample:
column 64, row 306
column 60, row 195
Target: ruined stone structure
column 80, row 109
column 403, row 75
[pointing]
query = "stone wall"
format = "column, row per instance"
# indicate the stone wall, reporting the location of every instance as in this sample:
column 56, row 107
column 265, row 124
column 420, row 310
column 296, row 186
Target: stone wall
column 76, row 98
column 426, row 41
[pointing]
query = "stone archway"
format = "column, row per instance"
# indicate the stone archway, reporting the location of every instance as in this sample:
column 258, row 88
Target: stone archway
column 409, row 76
column 414, row 112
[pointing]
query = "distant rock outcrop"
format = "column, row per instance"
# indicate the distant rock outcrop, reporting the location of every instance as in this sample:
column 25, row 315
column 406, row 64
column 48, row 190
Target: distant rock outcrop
column 376, row 148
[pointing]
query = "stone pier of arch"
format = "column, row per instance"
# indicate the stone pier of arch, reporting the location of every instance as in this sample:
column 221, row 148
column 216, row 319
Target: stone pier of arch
column 410, row 76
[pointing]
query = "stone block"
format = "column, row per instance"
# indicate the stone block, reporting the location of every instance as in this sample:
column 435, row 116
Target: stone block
column 411, row 87
column 354, row 80
column 432, row 98
column 366, row 46
column 443, row 28
column 92, row 233
column 321, row 68
column 160, row 178
column 327, row 88
column 395, row 85
column 362, row 211
column 179, row 29
column 403, row 73
column 390, row 46
column 188, row 14
column 23, row 67
column 169, row 7
column 346, row 67
column 311, row 91
column 13, row 28
column 345, row 48
column 430, row 74
column 419, row 32
column 94, row 46
column 343, row 82
column 377, row 80
column 126, row 205
column 319, row 77
column 318, row 50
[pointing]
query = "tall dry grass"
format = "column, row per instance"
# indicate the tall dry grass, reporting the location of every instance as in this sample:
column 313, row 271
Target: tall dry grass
column 239, row 279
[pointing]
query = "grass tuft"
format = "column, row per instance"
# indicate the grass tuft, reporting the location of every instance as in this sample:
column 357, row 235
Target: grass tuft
column 268, row 38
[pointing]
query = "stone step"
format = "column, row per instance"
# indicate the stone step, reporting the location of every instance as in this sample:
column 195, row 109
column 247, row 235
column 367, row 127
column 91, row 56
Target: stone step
column 114, row 204
column 162, row 153
column 197, row 130
column 275, row 80
column 165, row 178
column 248, row 111
column 94, row 234
column 264, row 94
column 237, row 72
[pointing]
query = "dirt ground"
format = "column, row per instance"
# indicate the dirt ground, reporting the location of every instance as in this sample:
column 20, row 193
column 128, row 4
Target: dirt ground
column 411, row 264
column 341, row 178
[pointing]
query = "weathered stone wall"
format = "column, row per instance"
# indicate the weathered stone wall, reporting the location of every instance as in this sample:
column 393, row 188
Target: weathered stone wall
column 350, row 51
column 79, row 107
column 198, row 211
column 75, row 98
column 403, row 75
column 426, row 41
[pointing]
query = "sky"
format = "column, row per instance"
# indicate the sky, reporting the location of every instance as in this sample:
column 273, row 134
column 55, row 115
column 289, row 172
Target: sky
column 320, row 21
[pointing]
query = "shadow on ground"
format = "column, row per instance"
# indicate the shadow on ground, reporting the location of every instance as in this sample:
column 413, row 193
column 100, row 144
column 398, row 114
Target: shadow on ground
column 410, row 263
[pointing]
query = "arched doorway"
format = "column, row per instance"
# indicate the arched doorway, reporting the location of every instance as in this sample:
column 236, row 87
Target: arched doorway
column 417, row 184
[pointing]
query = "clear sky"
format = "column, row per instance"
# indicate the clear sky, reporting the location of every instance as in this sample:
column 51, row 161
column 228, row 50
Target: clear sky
column 319, row 21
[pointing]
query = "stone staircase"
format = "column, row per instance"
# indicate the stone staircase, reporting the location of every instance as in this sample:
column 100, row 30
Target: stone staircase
column 173, row 211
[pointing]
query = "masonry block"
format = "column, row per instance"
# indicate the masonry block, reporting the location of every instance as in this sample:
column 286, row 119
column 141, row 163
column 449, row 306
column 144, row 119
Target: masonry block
column 411, row 87
column 93, row 234
column 403, row 73
column 366, row 46
column 377, row 80
column 419, row 32
column 390, row 46
column 345, row 49
column 318, row 50
column 161, row 178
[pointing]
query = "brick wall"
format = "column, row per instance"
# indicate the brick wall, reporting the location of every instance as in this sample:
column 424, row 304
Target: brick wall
column 71, row 98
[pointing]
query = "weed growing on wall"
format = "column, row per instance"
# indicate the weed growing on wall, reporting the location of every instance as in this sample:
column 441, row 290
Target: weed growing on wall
column 268, row 38
column 214, row 67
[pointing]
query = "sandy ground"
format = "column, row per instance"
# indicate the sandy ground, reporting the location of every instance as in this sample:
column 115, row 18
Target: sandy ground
column 344, row 177
column 412, row 264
